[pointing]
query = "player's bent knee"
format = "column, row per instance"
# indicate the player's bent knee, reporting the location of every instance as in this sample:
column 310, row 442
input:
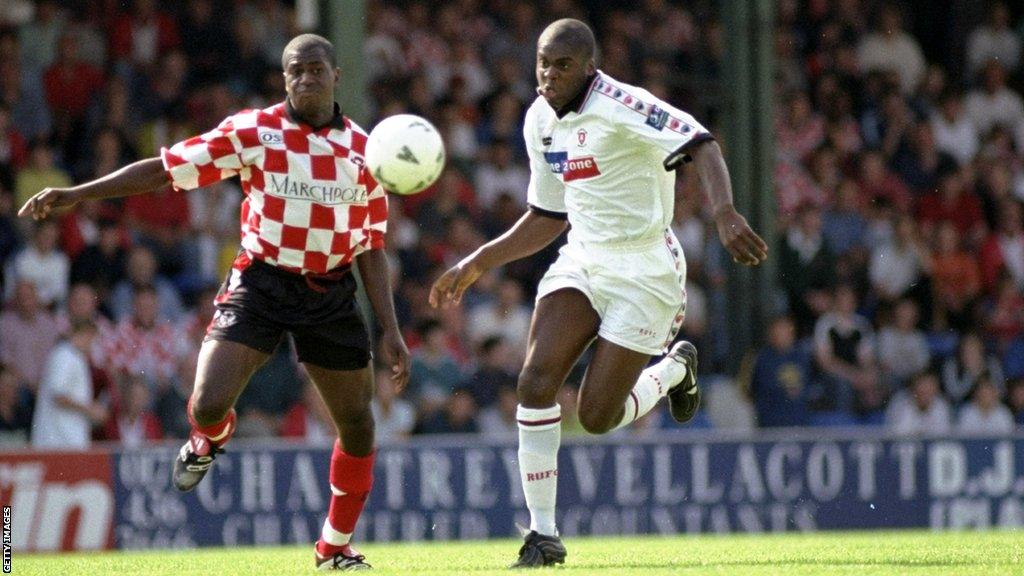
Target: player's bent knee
column 209, row 414
column 595, row 422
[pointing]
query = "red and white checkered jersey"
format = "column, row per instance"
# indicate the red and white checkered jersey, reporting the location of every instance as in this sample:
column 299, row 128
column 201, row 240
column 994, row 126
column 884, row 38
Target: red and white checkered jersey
column 310, row 205
column 149, row 352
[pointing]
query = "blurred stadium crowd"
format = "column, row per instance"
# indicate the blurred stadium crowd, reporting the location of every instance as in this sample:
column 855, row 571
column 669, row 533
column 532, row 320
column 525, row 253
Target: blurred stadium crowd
column 899, row 180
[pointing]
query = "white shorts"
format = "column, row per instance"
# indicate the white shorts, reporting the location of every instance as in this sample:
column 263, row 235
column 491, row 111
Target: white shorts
column 638, row 291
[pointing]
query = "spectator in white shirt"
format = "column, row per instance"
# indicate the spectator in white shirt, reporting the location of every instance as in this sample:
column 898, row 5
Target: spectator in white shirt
column 994, row 40
column 955, row 134
column 43, row 263
column 393, row 416
column 889, row 48
column 920, row 409
column 986, row 415
column 65, row 409
column 994, row 104
column 898, row 266
column 902, row 347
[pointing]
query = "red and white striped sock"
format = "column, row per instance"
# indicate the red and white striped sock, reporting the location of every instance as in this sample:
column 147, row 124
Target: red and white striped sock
column 351, row 480
column 540, row 434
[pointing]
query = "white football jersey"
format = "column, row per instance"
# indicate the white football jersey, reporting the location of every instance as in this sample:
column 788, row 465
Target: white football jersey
column 604, row 164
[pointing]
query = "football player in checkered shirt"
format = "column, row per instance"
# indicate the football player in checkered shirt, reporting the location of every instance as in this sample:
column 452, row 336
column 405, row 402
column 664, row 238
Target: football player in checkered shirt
column 603, row 156
column 310, row 213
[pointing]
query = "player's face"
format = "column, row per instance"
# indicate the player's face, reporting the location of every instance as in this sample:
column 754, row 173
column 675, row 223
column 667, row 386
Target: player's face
column 561, row 73
column 309, row 80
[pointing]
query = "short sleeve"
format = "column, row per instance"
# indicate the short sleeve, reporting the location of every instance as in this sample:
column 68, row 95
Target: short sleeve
column 546, row 193
column 668, row 129
column 214, row 156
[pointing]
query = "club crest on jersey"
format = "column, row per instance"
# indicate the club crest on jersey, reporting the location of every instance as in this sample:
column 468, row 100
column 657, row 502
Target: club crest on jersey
column 572, row 168
column 224, row 318
column 581, row 137
column 657, row 118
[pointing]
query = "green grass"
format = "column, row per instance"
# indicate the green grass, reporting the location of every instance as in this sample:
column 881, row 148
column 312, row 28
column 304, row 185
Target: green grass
column 853, row 553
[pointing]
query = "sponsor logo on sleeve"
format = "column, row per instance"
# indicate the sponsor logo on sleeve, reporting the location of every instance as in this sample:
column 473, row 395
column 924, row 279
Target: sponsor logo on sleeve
column 271, row 138
column 572, row 168
column 657, row 118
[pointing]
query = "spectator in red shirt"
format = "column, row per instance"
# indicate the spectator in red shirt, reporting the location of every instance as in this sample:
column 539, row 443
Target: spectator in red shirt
column 13, row 148
column 951, row 202
column 1004, row 320
column 141, row 35
column 956, row 281
column 877, row 181
column 70, row 83
column 1003, row 252
column 162, row 221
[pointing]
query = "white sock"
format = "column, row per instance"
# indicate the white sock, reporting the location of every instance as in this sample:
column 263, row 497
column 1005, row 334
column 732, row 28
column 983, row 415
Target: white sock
column 653, row 384
column 540, row 433
column 332, row 536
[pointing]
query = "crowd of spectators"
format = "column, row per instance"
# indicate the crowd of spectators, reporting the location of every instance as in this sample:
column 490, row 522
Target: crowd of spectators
column 899, row 184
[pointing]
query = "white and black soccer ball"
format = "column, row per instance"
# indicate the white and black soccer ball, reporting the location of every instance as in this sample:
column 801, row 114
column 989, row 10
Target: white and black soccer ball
column 405, row 153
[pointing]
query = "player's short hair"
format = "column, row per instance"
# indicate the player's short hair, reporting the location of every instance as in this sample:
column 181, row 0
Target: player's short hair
column 574, row 34
column 303, row 41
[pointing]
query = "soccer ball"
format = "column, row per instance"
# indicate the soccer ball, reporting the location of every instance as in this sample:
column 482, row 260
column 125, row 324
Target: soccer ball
column 405, row 153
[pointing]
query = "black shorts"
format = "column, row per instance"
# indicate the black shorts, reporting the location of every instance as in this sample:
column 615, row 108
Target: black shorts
column 258, row 304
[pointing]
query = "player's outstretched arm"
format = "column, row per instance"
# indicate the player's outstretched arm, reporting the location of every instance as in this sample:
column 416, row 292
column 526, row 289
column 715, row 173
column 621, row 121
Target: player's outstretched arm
column 745, row 246
column 531, row 233
column 137, row 178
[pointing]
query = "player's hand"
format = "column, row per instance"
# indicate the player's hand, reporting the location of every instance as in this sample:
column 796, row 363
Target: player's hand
column 395, row 354
column 450, row 287
column 745, row 246
column 50, row 199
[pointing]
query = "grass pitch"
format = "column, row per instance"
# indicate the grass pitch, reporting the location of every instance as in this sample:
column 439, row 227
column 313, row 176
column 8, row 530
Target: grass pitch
column 853, row 553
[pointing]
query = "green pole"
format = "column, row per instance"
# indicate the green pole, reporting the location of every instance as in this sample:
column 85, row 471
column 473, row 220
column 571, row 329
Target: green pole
column 749, row 152
column 344, row 23
column 763, row 196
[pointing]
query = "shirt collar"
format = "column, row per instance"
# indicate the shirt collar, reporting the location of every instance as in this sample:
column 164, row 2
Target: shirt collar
column 576, row 104
column 337, row 121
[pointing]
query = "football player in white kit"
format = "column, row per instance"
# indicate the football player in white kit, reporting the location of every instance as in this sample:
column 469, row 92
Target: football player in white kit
column 603, row 156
